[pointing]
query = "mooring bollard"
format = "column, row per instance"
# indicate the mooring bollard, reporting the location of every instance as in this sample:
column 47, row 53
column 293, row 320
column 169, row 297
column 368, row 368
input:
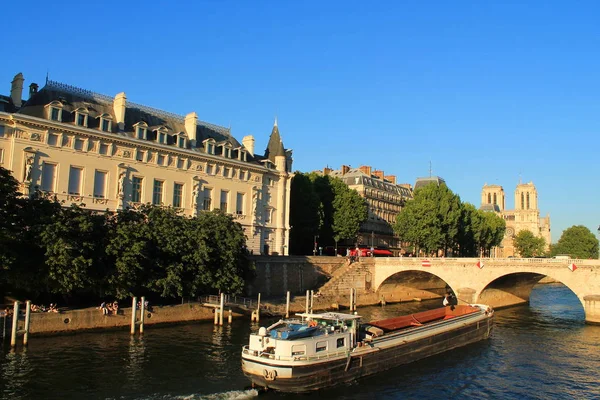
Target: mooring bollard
column 221, row 308
column 287, row 305
column 216, row 316
column 142, row 314
column 133, row 314
column 27, row 316
column 15, row 322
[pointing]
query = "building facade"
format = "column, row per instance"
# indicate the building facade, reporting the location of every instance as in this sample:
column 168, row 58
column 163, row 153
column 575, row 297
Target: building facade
column 525, row 216
column 385, row 198
column 105, row 152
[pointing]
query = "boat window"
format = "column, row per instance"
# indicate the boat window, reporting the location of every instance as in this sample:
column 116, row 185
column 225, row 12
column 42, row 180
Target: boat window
column 298, row 350
column 321, row 346
column 340, row 342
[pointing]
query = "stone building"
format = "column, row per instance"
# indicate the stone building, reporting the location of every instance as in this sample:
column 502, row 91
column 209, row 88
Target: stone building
column 385, row 198
column 109, row 153
column 525, row 216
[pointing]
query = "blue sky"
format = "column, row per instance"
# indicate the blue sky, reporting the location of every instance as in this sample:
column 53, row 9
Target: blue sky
column 488, row 92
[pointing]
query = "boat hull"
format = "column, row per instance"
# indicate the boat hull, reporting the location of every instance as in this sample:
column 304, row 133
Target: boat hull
column 365, row 361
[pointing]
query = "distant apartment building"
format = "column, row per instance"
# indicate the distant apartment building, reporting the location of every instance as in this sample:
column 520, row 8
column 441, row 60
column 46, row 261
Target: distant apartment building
column 108, row 153
column 385, row 198
column 525, row 216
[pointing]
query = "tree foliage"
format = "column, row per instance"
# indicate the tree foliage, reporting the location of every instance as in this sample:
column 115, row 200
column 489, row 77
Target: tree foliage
column 306, row 214
column 578, row 242
column 50, row 250
column 436, row 220
column 529, row 245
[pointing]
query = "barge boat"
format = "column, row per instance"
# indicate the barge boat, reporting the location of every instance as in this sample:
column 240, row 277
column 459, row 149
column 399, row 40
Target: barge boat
column 316, row 351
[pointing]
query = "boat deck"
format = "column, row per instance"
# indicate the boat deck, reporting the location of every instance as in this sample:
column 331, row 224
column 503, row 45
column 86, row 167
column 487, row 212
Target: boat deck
column 422, row 318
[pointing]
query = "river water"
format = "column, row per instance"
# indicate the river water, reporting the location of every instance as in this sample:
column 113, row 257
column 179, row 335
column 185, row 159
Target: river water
column 539, row 351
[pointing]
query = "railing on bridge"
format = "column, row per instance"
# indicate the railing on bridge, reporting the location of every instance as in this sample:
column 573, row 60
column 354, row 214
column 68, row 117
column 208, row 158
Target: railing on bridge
column 230, row 300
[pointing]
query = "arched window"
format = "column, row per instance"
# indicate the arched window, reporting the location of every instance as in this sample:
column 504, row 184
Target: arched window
column 528, row 200
column 489, row 198
column 522, row 201
column 495, row 199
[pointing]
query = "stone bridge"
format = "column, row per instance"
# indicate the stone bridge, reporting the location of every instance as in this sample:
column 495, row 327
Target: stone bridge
column 471, row 278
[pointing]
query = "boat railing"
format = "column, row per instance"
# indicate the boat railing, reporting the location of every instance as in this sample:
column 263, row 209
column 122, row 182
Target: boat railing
column 271, row 356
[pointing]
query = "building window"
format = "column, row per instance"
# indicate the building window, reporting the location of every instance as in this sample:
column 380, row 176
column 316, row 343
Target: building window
column 81, row 118
column 522, row 201
column 105, row 123
column 52, row 139
column 140, row 155
column 528, row 200
column 103, row 149
column 55, row 114
column 227, row 152
column 209, row 169
column 2, row 128
column 48, row 177
column 239, row 203
column 181, row 142
column 136, row 189
column 75, row 177
column 340, row 342
column 100, row 184
column 160, row 160
column 141, row 132
column 180, row 162
column 224, row 198
column 157, row 192
column 177, row 194
column 161, row 137
column 495, row 199
column 207, row 202
column 227, row 172
column 78, row 144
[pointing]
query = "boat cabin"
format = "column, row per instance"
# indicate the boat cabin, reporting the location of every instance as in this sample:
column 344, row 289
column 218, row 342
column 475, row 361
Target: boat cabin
column 310, row 336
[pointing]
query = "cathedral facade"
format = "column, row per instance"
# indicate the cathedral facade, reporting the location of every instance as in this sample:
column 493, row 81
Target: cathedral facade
column 525, row 215
column 107, row 153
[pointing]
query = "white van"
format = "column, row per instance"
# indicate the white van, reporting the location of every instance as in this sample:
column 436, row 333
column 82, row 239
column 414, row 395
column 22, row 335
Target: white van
column 562, row 257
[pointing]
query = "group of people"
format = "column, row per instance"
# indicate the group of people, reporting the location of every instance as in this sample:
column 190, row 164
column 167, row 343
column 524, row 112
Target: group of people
column 109, row 308
column 51, row 308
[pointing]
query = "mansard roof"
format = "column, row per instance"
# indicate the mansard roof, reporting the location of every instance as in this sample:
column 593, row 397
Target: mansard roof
column 73, row 98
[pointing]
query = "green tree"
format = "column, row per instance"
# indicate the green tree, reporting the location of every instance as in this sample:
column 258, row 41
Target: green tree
column 470, row 230
column 578, row 242
column 74, row 245
column 492, row 231
column 10, row 223
column 306, row 214
column 349, row 211
column 529, row 245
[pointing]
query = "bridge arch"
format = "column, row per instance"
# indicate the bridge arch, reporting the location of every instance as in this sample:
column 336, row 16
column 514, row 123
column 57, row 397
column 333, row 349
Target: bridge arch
column 469, row 277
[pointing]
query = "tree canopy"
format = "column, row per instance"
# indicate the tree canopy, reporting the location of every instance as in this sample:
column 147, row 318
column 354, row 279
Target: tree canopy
column 529, row 245
column 578, row 242
column 47, row 250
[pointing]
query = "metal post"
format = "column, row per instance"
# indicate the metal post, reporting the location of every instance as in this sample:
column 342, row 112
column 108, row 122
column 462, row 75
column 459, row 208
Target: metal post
column 27, row 315
column 287, row 305
column 15, row 321
column 221, row 308
column 307, row 293
column 133, row 314
column 312, row 298
column 258, row 309
column 142, row 314
column 351, row 301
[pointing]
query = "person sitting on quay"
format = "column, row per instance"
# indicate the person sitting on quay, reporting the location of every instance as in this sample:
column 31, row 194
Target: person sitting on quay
column 115, row 307
column 52, row 308
column 103, row 308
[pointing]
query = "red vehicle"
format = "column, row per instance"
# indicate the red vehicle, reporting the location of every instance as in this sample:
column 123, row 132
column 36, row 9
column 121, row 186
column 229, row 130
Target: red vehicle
column 365, row 251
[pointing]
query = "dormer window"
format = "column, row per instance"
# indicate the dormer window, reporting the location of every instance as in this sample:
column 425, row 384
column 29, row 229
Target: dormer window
column 81, row 117
column 161, row 135
column 141, row 131
column 181, row 140
column 55, row 111
column 105, row 123
column 242, row 155
column 209, row 146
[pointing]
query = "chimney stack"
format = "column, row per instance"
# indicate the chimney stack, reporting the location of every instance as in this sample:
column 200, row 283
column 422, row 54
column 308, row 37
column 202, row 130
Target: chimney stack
column 391, row 179
column 16, row 90
column 119, row 106
column 365, row 169
column 191, row 124
column 345, row 169
column 378, row 173
column 33, row 89
column 248, row 142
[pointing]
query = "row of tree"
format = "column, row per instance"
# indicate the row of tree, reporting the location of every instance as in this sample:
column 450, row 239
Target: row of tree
column 436, row 221
column 49, row 250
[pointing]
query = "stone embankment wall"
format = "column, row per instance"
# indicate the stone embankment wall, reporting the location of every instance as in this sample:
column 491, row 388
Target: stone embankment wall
column 92, row 318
